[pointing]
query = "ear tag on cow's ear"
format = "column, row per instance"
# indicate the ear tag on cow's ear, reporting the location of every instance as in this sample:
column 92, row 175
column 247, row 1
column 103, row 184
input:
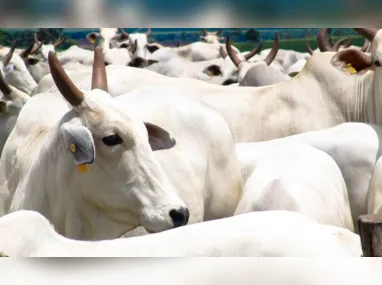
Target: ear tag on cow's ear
column 92, row 40
column 351, row 68
column 82, row 167
column 211, row 73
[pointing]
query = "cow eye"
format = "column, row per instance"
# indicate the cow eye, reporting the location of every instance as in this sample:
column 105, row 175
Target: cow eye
column 112, row 140
column 377, row 63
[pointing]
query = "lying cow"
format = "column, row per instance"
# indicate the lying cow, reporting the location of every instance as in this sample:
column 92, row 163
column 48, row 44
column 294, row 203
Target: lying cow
column 259, row 234
column 294, row 177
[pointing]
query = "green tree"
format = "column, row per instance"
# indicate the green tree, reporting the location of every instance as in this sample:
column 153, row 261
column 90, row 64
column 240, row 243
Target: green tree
column 252, row 35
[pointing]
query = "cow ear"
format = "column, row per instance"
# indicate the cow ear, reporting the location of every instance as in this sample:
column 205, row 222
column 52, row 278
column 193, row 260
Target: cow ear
column 213, row 70
column 152, row 48
column 79, row 141
column 9, row 68
column 352, row 61
column 91, row 37
column 3, row 107
column 159, row 138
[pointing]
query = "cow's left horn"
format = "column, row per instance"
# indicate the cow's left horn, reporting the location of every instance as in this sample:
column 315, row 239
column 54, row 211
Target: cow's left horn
column 254, row 51
column 7, row 58
column 322, row 40
column 236, row 61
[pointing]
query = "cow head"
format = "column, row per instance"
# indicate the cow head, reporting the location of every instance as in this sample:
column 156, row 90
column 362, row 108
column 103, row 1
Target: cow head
column 243, row 65
column 140, row 40
column 15, row 71
column 124, row 179
column 44, row 49
column 106, row 38
column 211, row 37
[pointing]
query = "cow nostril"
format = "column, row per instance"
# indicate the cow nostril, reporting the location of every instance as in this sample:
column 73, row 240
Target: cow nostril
column 180, row 217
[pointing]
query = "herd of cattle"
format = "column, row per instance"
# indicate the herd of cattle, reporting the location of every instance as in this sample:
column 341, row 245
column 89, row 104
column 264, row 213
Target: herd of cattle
column 136, row 149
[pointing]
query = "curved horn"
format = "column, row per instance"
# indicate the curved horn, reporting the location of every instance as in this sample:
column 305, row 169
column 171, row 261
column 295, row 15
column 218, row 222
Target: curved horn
column 349, row 43
column 218, row 32
column 4, row 87
column 368, row 33
column 330, row 41
column 148, row 32
column 204, row 31
column 275, row 48
column 7, row 58
column 99, row 78
column 340, row 42
column 365, row 46
column 59, row 42
column 309, row 48
column 39, row 45
column 36, row 38
column 27, row 51
column 124, row 33
column 66, row 87
column 322, row 40
column 254, row 51
column 134, row 47
column 223, row 53
column 233, row 56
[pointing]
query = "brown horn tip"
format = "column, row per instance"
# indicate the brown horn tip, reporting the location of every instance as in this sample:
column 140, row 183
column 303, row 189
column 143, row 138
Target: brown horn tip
column 4, row 87
column 340, row 42
column 232, row 55
column 365, row 46
column 24, row 54
column 223, row 53
column 368, row 33
column 99, row 78
column 322, row 40
column 204, row 31
column 148, row 32
column 36, row 38
column 59, row 42
column 7, row 58
column 66, row 87
column 39, row 45
column 275, row 48
column 310, row 50
column 254, row 51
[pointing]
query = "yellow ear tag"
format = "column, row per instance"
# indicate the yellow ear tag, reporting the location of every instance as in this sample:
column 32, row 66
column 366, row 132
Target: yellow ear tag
column 92, row 41
column 73, row 147
column 83, row 168
column 351, row 69
column 211, row 74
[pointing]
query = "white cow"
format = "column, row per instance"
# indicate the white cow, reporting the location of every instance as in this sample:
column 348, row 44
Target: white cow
column 112, row 54
column 138, row 39
column 125, row 157
column 211, row 37
column 259, row 234
column 293, row 177
column 197, row 51
column 11, row 102
column 257, row 73
column 15, row 71
column 216, row 71
column 355, row 147
column 44, row 49
column 121, row 79
column 322, row 95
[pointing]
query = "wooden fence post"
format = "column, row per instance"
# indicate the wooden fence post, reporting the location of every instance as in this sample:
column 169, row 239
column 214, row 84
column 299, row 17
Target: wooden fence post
column 370, row 230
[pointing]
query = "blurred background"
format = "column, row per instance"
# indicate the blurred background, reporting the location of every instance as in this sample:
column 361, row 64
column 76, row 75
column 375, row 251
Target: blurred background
column 179, row 22
column 191, row 14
